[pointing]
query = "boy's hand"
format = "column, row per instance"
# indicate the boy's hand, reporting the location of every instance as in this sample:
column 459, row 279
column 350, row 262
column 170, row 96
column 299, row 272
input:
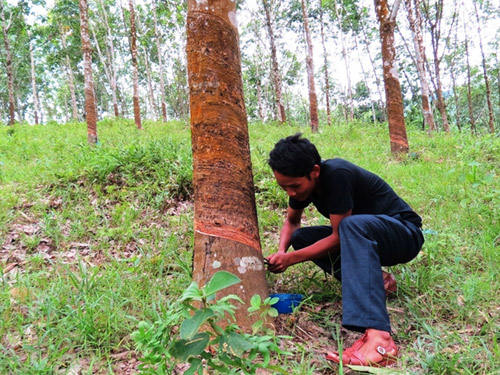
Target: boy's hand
column 278, row 262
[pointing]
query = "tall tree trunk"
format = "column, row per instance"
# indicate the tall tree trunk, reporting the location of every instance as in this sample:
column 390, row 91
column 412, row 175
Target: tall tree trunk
column 313, row 99
column 472, row 120
column 90, row 106
column 8, row 65
column 418, row 42
column 36, row 101
column 375, row 72
column 394, row 99
column 491, row 124
column 434, row 22
column 152, row 100
column 135, row 69
column 225, row 218
column 365, row 77
column 111, row 60
column 70, row 76
column 160, row 65
column 325, row 65
column 275, row 72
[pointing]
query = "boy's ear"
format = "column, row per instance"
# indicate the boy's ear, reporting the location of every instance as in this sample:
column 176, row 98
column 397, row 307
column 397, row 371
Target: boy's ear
column 315, row 171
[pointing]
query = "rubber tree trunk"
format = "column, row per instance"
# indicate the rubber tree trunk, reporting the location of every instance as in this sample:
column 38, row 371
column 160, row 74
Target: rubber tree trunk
column 36, row 101
column 275, row 71
column 313, row 98
column 225, row 218
column 90, row 106
column 325, row 66
column 472, row 119
column 394, row 98
column 135, row 69
column 160, row 65
column 70, row 76
column 418, row 42
column 491, row 125
column 8, row 66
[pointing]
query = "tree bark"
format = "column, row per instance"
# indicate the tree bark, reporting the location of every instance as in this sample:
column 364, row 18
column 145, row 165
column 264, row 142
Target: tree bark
column 365, row 77
column 225, row 218
column 394, row 99
column 36, row 101
column 491, row 124
column 152, row 100
column 70, row 76
column 434, row 23
column 472, row 120
column 327, row 77
column 90, row 106
column 375, row 74
column 135, row 69
column 313, row 99
column 8, row 66
column 275, row 72
column 418, row 42
column 112, row 61
column 160, row 65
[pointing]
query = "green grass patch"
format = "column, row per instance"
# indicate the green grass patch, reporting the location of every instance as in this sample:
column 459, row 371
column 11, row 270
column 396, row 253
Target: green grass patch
column 96, row 239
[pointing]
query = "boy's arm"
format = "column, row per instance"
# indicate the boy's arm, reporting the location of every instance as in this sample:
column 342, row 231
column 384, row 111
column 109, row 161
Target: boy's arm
column 291, row 224
column 280, row 261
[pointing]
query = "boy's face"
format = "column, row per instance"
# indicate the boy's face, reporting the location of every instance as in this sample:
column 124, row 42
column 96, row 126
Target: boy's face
column 299, row 188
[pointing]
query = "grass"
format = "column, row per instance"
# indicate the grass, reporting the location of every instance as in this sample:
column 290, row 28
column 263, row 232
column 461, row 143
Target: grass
column 96, row 239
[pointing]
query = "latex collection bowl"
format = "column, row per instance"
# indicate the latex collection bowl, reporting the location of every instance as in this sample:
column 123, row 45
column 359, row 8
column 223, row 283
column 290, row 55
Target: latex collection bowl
column 287, row 302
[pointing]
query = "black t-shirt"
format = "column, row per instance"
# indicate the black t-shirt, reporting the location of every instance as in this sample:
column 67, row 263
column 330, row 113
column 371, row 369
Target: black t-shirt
column 344, row 186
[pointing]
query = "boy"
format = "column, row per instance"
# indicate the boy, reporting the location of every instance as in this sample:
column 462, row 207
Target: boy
column 371, row 226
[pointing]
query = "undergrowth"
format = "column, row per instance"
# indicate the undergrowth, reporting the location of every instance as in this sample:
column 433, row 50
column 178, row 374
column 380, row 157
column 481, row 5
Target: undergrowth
column 96, row 239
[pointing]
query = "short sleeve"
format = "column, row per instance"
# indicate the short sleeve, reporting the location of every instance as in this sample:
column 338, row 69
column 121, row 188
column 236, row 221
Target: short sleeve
column 340, row 186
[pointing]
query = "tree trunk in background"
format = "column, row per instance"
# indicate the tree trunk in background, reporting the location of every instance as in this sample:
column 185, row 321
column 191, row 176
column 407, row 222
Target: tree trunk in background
column 160, row 65
column 327, row 77
column 365, row 77
column 469, row 89
column 418, row 42
column 313, row 99
column 8, row 66
column 225, row 218
column 36, row 101
column 434, row 22
column 491, row 124
column 345, row 57
column 70, row 76
column 275, row 72
column 394, row 99
column 110, row 53
column 152, row 100
column 375, row 73
column 90, row 106
column 135, row 72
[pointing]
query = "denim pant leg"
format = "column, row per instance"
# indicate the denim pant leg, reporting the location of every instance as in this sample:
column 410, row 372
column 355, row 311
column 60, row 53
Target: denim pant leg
column 368, row 242
column 306, row 236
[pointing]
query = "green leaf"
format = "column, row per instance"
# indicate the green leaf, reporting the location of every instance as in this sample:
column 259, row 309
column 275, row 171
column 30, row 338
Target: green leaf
column 195, row 366
column 183, row 349
column 192, row 292
column 273, row 312
column 220, row 280
column 255, row 301
column 190, row 326
column 237, row 344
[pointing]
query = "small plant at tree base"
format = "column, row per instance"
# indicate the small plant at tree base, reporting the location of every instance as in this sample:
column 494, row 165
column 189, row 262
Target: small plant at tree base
column 191, row 331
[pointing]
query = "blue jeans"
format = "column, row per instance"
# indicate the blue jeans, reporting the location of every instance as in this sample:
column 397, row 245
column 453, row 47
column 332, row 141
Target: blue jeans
column 367, row 242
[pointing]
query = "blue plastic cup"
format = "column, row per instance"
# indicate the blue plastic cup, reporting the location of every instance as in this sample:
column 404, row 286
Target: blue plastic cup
column 286, row 302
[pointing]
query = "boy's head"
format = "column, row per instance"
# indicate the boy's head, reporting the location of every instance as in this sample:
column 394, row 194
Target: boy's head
column 294, row 156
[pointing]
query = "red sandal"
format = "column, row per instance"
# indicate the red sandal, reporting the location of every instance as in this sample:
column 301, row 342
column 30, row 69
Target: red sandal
column 352, row 356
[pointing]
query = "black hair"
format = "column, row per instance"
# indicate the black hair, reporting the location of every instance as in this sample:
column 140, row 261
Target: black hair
column 294, row 156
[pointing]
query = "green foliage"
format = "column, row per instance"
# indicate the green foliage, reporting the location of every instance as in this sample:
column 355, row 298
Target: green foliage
column 202, row 341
